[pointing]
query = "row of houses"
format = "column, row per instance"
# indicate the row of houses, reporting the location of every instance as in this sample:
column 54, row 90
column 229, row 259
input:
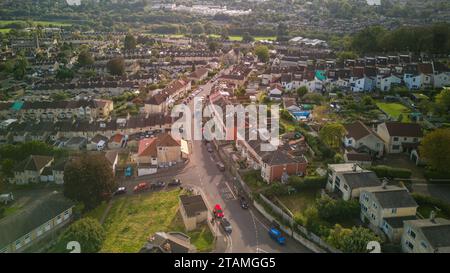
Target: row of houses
column 16, row 131
column 390, row 211
column 56, row 110
column 47, row 169
column 357, row 78
column 165, row 98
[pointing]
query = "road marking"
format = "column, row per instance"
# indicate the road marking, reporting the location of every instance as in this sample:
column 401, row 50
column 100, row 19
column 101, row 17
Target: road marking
column 260, row 250
column 256, row 231
column 232, row 193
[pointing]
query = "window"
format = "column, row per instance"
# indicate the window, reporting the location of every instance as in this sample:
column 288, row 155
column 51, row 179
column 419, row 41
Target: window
column 346, row 187
column 415, row 139
column 411, row 233
column 423, row 244
column 375, row 205
column 395, row 138
column 394, row 211
column 18, row 244
column 395, row 147
column 337, row 181
column 409, row 245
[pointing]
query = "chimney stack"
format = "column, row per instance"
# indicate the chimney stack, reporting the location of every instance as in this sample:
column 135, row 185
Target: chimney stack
column 433, row 216
column 384, row 183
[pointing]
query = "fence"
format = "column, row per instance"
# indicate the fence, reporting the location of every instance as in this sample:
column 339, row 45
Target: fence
column 310, row 237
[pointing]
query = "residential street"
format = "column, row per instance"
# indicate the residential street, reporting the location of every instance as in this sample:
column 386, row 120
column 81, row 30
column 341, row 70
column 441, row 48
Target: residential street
column 250, row 228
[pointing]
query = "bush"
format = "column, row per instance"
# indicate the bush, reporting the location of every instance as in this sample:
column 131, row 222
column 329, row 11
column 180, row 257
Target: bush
column 331, row 210
column 389, row 172
column 276, row 189
column 432, row 174
column 309, row 182
column 424, row 200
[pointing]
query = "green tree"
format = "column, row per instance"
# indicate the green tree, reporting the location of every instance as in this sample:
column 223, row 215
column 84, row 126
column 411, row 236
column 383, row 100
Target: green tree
column 130, row 42
column 87, row 231
column 443, row 101
column 262, row 52
column 332, row 134
column 435, row 149
column 247, row 38
column 353, row 240
column 20, row 68
column 301, row 91
column 315, row 98
column 85, row 58
column 89, row 179
column 116, row 66
column 213, row 46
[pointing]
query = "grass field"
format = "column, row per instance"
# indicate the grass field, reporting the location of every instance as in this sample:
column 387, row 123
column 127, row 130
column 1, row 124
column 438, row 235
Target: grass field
column 297, row 203
column 43, row 23
column 132, row 219
column 257, row 38
column 394, row 110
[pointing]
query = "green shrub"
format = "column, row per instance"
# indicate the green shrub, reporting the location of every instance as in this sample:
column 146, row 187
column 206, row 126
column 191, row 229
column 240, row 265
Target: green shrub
column 424, row 200
column 331, row 210
column 432, row 174
column 390, row 172
column 308, row 182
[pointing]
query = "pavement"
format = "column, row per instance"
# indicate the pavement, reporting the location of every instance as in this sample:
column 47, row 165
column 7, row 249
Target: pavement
column 250, row 228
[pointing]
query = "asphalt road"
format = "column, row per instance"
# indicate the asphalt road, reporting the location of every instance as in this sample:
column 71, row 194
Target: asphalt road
column 250, row 228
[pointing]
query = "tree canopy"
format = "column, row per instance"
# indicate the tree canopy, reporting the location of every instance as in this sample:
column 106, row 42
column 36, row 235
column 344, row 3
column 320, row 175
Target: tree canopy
column 262, row 52
column 116, row 66
column 87, row 231
column 435, row 149
column 332, row 134
column 89, row 179
column 130, row 42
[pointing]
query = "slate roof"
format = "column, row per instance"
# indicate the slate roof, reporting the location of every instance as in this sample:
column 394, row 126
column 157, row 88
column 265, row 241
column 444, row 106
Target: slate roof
column 361, row 179
column 437, row 232
column 397, row 222
column 395, row 198
column 193, row 204
column 357, row 130
column 404, row 129
column 26, row 220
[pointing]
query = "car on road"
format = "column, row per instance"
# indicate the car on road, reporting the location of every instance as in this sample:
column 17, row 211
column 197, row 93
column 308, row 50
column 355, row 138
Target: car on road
column 226, row 225
column 158, row 184
column 141, row 187
column 244, row 203
column 277, row 236
column 217, row 211
column 174, row 182
column 120, row 190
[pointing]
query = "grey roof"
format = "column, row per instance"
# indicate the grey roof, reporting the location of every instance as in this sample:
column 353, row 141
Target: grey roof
column 395, row 199
column 36, row 214
column 437, row 235
column 397, row 222
column 162, row 242
column 193, row 204
column 361, row 179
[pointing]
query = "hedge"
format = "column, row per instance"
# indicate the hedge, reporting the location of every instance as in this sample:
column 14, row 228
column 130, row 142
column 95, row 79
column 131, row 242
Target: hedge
column 424, row 200
column 431, row 174
column 308, row 182
column 390, row 172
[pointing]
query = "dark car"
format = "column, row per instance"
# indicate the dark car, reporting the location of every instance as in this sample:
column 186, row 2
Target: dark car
column 226, row 225
column 120, row 190
column 244, row 203
column 157, row 185
column 175, row 182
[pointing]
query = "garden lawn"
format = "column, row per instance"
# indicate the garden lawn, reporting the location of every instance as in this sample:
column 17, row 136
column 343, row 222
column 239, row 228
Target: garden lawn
column 202, row 238
column 98, row 212
column 298, row 202
column 133, row 219
column 257, row 38
column 394, row 110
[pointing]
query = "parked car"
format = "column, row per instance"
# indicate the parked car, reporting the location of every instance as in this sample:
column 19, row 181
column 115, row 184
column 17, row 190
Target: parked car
column 174, row 182
column 226, row 225
column 128, row 171
column 277, row 236
column 217, row 211
column 158, row 184
column 120, row 190
column 244, row 203
column 141, row 187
